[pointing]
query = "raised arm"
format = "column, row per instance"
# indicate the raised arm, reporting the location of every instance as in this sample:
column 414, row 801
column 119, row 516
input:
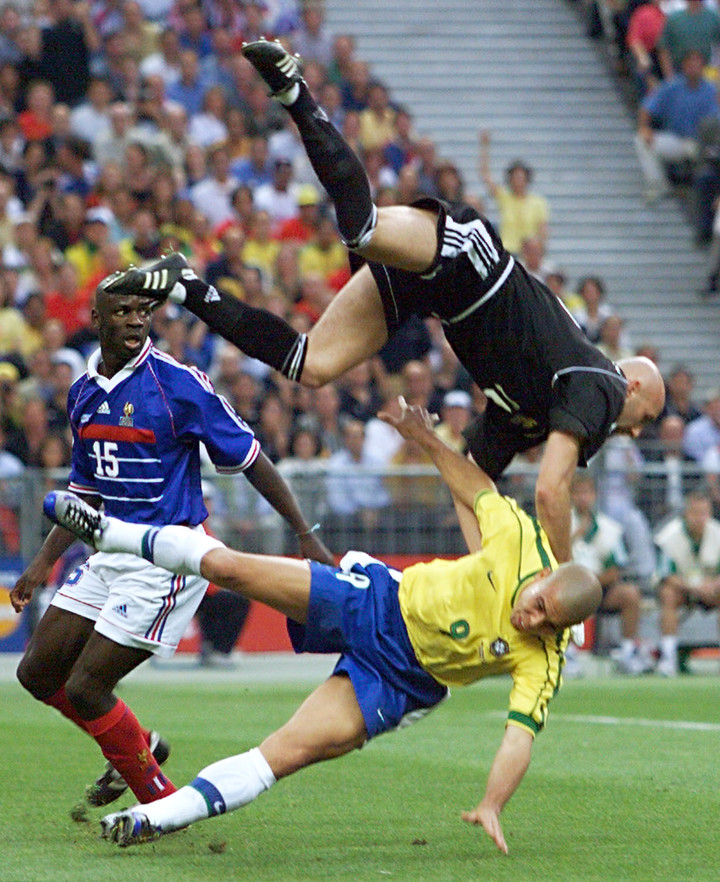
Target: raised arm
column 552, row 491
column 484, row 163
column 507, row 771
column 463, row 477
column 266, row 479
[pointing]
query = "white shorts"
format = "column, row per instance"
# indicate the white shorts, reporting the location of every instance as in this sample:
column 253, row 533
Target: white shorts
column 131, row 601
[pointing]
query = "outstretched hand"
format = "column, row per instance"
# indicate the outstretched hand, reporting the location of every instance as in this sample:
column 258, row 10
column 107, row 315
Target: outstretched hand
column 313, row 548
column 414, row 421
column 489, row 819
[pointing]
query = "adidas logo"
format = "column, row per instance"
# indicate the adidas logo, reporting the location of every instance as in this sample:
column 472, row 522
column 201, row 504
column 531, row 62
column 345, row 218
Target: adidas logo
column 121, row 610
column 156, row 279
column 287, row 65
column 212, row 296
column 104, row 408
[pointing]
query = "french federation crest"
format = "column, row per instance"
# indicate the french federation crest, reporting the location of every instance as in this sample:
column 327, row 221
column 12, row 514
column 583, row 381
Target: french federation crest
column 127, row 418
column 499, row 647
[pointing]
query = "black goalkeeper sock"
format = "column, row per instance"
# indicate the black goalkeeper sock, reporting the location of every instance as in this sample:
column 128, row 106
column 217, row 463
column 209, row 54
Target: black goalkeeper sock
column 257, row 332
column 337, row 167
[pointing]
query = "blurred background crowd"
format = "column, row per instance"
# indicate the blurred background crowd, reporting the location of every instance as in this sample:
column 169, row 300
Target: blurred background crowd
column 132, row 127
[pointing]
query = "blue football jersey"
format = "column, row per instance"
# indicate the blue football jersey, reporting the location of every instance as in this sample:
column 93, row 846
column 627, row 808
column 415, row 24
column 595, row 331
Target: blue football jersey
column 136, row 438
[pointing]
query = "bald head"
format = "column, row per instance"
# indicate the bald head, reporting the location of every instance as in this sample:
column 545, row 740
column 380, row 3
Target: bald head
column 645, row 396
column 576, row 592
column 555, row 600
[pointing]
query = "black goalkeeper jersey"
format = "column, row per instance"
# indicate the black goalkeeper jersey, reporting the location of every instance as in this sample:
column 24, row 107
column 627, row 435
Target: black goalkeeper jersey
column 515, row 338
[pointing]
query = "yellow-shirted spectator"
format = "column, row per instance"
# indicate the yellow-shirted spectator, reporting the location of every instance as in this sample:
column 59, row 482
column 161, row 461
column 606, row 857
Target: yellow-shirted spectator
column 326, row 255
column 523, row 215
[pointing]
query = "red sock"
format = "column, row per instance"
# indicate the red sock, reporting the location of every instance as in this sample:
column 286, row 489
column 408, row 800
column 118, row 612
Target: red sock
column 123, row 743
column 61, row 702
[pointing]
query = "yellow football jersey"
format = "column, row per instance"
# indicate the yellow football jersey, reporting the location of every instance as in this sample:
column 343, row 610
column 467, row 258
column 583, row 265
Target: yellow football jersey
column 457, row 612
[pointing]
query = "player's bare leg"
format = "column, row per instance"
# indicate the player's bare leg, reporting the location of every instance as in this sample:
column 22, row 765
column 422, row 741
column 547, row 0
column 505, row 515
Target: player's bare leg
column 327, row 725
column 280, row 582
column 398, row 236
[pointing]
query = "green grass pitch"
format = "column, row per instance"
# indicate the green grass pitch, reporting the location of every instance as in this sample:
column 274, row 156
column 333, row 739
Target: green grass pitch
column 623, row 786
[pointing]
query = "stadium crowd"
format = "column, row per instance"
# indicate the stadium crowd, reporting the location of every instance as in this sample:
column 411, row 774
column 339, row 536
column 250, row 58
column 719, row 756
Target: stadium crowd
column 132, row 127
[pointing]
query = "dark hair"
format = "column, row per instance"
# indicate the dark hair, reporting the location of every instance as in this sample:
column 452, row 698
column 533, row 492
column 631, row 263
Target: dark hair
column 519, row 164
column 595, row 280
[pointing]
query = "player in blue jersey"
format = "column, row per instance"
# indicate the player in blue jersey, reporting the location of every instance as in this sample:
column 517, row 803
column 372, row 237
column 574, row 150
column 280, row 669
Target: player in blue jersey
column 138, row 418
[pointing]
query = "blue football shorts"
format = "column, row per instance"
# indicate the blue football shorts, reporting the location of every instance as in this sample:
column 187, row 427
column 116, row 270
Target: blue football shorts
column 354, row 610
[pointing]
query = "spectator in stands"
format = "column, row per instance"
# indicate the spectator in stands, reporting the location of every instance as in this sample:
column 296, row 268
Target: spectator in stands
column 662, row 491
column 597, row 543
column 693, row 29
column 523, row 214
column 400, row 151
column 355, row 497
column 643, row 35
column 377, row 120
column 165, row 60
column 109, row 145
column 312, row 40
column 343, row 57
column 689, row 546
column 668, row 122
column 454, row 418
column 594, row 310
column 304, row 471
column 85, row 255
column 613, row 340
column 141, row 36
column 532, row 257
column 703, row 433
column 359, row 397
column 189, row 89
column 91, row 117
column 419, row 386
column 382, row 439
column 194, row 34
column 325, row 255
column 303, row 228
column 212, row 195
column 225, row 272
column 66, row 303
column 355, row 86
column 261, row 249
column 273, row 427
column 68, row 42
column 407, row 189
column 278, row 197
column 144, row 242
column 679, row 397
column 208, row 128
column 36, row 120
column 327, row 410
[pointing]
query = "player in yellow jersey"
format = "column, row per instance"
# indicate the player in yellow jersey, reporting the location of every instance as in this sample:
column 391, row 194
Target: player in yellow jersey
column 403, row 637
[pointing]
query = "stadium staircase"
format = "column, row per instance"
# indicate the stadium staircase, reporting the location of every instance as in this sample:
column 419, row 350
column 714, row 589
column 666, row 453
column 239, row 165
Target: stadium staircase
column 526, row 71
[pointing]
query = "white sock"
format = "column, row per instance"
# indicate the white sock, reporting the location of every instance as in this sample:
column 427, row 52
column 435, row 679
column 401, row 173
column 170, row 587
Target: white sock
column 175, row 811
column 289, row 96
column 233, row 782
column 222, row 787
column 178, row 549
column 668, row 646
